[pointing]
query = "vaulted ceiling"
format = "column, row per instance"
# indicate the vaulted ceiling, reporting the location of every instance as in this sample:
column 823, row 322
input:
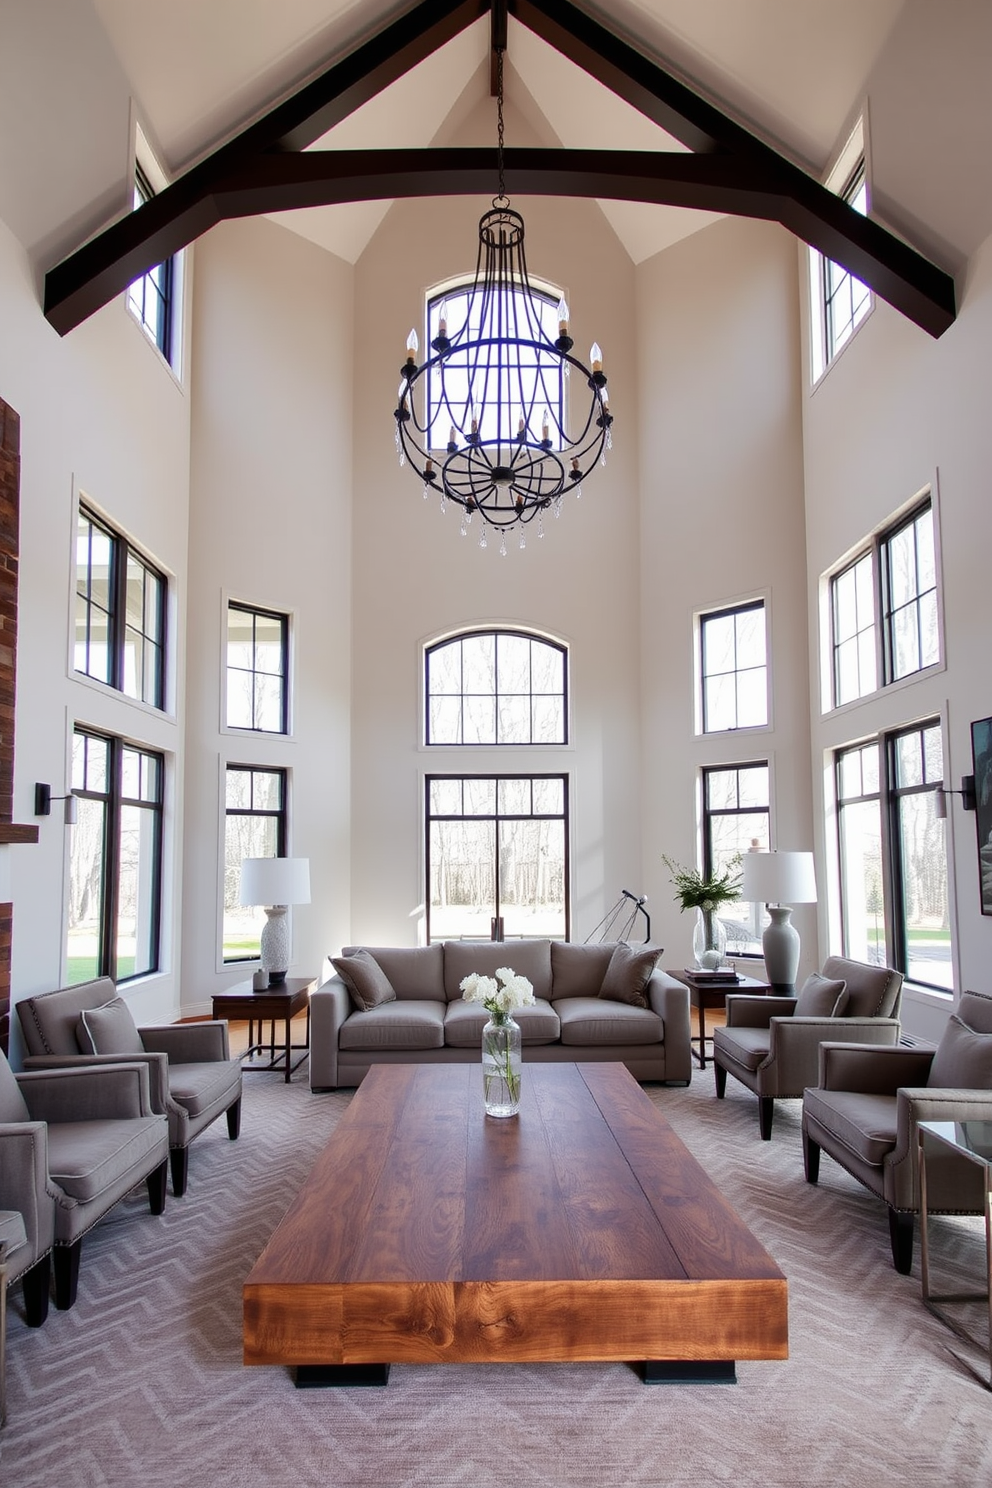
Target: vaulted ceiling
column 323, row 126
column 789, row 70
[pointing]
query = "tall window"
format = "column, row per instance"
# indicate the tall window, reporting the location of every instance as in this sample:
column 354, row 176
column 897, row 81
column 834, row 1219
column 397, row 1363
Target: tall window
column 257, row 667
column 838, row 301
column 151, row 298
column 120, row 613
column 537, row 377
column 497, row 856
column 883, row 609
column 496, row 687
column 893, row 854
column 115, row 859
column 733, row 663
column 254, row 827
column 735, row 819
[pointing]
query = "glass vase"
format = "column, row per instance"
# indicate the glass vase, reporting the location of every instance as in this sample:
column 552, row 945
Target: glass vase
column 501, row 1067
column 709, row 940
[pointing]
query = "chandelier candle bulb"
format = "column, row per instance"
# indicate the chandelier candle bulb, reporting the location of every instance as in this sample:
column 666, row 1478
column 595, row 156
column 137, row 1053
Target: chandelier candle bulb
column 562, row 317
column 412, row 347
column 596, row 357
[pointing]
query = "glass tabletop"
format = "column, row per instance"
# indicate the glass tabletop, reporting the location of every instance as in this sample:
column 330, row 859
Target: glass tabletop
column 971, row 1137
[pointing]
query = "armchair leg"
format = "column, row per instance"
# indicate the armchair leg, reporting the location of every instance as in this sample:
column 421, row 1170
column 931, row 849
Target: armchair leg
column 179, row 1161
column 766, row 1111
column 155, row 1183
column 720, row 1079
column 37, row 1287
column 811, row 1158
column 234, row 1120
column 66, row 1274
column 901, row 1228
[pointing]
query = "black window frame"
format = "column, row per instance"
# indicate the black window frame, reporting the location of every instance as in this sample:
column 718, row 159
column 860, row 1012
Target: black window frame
column 114, row 800
column 496, row 742
column 723, row 613
column 889, row 794
column 157, row 283
column 256, row 611
column 497, row 816
column 710, row 864
column 123, row 553
column 879, row 550
column 281, row 816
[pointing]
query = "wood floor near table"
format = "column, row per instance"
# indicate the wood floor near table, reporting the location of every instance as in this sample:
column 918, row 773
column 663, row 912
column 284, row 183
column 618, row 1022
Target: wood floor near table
column 582, row 1229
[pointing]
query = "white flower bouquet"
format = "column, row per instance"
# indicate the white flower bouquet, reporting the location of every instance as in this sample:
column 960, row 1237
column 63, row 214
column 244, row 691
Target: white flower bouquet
column 499, row 995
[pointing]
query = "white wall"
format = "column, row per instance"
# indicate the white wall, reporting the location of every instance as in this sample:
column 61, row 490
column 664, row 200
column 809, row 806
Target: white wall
column 722, row 521
column 415, row 577
column 271, row 496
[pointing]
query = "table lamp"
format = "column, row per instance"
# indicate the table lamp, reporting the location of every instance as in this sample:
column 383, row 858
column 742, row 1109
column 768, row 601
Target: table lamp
column 275, row 884
column 768, row 878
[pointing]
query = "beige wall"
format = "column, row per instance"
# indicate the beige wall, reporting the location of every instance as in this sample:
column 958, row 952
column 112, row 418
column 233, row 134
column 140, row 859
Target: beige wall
column 722, row 522
column 415, row 577
column 271, row 525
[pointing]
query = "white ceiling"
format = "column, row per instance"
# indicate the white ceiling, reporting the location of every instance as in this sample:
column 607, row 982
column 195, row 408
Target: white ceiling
column 792, row 69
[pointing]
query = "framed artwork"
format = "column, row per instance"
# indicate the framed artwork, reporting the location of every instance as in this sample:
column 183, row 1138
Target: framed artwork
column 981, row 751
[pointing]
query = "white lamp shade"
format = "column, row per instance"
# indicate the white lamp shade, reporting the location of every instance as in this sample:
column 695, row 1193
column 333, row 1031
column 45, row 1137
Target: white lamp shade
column 275, row 881
column 778, row 878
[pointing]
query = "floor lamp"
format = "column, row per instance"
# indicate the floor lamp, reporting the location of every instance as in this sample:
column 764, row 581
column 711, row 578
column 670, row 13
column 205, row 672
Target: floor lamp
column 769, row 878
column 275, row 883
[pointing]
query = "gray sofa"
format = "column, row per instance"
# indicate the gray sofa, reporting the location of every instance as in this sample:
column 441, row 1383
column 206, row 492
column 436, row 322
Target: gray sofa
column 429, row 1022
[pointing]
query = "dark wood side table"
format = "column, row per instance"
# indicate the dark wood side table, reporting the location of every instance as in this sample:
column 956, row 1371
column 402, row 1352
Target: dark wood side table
column 279, row 1004
column 704, row 995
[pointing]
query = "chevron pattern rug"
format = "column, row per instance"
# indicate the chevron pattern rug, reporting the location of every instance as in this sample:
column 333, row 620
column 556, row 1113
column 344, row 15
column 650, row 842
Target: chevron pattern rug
column 142, row 1382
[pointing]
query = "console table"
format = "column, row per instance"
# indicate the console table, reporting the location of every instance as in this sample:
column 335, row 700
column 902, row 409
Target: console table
column 279, row 1004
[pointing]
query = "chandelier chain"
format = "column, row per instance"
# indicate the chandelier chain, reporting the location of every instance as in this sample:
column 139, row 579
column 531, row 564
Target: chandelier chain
column 499, row 126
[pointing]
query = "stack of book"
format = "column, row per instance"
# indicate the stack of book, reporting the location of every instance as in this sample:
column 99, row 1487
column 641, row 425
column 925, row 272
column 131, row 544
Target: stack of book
column 720, row 974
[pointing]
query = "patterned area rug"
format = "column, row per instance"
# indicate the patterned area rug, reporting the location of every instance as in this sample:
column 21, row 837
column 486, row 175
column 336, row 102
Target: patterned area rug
column 142, row 1382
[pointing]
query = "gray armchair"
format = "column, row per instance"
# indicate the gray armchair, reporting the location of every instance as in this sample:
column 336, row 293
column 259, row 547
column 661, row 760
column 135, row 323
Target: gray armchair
column 193, row 1079
column 72, row 1143
column 774, row 1050
column 866, row 1109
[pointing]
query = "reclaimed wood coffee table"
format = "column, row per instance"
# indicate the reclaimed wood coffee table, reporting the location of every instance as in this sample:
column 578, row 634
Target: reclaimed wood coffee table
column 582, row 1229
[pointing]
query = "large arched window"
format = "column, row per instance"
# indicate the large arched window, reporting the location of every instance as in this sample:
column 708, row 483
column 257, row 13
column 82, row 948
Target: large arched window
column 496, row 687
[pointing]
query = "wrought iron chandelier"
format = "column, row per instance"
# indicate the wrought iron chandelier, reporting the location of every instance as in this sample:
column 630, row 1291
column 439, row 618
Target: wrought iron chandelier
column 484, row 420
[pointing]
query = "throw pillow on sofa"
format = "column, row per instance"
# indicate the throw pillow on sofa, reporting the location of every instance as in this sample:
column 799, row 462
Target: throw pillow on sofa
column 821, row 997
column 963, row 1060
column 365, row 979
column 628, row 974
column 109, row 1029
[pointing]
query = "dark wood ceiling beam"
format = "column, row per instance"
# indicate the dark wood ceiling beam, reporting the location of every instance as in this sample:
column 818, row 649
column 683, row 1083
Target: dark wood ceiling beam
column 262, row 171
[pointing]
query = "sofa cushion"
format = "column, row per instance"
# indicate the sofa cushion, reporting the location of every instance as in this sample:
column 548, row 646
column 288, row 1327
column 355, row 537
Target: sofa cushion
column 86, row 1158
column 13, row 1106
column 199, row 1087
column 108, row 1030
column 748, row 1046
column 367, row 983
column 593, row 1020
column 414, row 971
column 821, row 997
column 528, row 958
column 866, row 1124
column 628, row 974
column 963, row 1059
column 407, row 1023
column 50, row 1020
column 578, row 970
column 464, row 1022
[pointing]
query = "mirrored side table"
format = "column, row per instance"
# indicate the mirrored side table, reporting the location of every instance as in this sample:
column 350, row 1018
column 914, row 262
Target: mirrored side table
column 971, row 1140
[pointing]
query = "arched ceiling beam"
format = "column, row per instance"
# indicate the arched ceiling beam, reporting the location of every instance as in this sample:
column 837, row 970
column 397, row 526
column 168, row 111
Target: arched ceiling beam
column 263, row 170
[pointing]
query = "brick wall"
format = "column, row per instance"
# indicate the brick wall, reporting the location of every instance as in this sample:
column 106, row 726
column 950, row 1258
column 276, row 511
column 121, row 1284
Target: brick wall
column 10, row 469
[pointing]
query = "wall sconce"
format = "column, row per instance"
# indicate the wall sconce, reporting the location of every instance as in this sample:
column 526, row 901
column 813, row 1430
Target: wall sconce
column 967, row 793
column 43, row 799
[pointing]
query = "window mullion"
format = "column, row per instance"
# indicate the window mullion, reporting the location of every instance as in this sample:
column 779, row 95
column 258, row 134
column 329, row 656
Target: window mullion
column 112, row 860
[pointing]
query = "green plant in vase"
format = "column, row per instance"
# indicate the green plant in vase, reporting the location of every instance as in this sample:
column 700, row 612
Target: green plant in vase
column 706, row 894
